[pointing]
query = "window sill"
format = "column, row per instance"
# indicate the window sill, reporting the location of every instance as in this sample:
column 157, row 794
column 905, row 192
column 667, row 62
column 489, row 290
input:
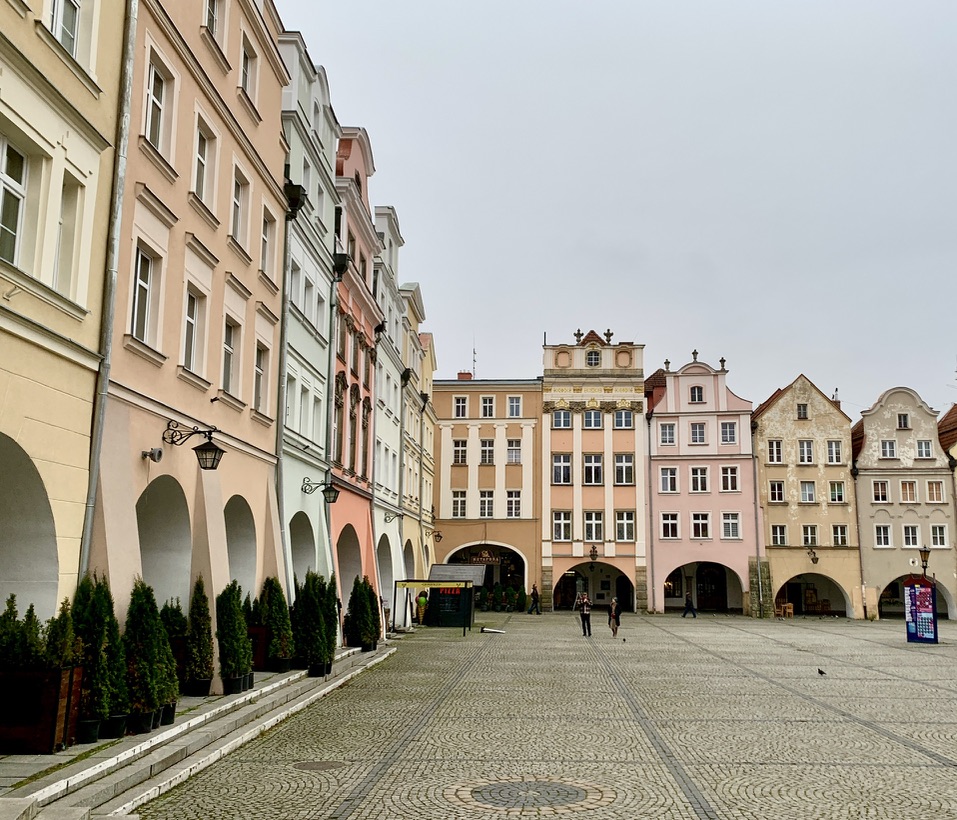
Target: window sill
column 267, row 280
column 153, row 155
column 41, row 291
column 193, row 379
column 19, row 7
column 230, row 401
column 213, row 45
column 68, row 59
column 239, row 250
column 249, row 105
column 203, row 210
column 143, row 350
column 262, row 418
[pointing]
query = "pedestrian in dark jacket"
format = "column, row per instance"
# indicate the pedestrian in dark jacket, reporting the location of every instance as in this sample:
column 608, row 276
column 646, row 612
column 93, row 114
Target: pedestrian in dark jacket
column 689, row 607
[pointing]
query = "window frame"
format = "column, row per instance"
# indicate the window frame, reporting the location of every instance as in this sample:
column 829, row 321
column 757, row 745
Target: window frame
column 836, row 492
column 624, row 469
column 888, row 448
column 698, row 479
column 775, row 451
column 561, row 415
column 805, row 451
column 487, row 407
column 16, row 189
column 808, row 492
column 925, row 445
column 561, row 526
column 839, row 536
column 666, row 430
column 701, row 526
column 731, row 526
column 729, row 479
column 667, row 480
column 729, row 432
column 593, row 469
column 593, row 526
column 935, row 491
column 486, row 451
column 698, row 433
column 880, row 491
column 513, row 503
column 513, row 451
column 565, row 466
column 908, row 491
column 809, row 535
column 779, row 535
column 459, row 500
column 835, row 451
column 592, row 419
column 460, row 451
column 624, row 420
column 514, row 404
column 696, row 394
column 883, row 536
column 669, row 526
column 460, row 407
column 486, row 504
column 776, row 488
column 624, row 525
column 232, row 355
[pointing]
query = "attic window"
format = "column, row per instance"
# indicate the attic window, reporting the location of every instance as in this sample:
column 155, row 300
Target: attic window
column 358, row 179
column 592, row 358
column 802, row 411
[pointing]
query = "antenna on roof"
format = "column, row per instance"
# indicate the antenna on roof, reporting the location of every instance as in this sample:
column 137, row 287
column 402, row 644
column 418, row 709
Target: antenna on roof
column 474, row 357
column 834, row 397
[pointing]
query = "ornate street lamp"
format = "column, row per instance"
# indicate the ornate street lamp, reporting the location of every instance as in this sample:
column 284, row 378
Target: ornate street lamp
column 436, row 533
column 593, row 555
column 924, row 558
column 329, row 491
column 207, row 454
column 813, row 555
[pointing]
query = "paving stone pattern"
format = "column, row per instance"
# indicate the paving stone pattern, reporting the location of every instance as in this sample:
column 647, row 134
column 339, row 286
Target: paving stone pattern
column 721, row 717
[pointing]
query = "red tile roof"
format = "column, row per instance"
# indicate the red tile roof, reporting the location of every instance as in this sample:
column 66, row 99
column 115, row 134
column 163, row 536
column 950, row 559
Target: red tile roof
column 947, row 429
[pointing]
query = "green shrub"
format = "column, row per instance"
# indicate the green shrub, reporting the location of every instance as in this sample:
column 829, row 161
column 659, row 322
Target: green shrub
column 310, row 634
column 235, row 654
column 90, row 619
column 199, row 635
column 275, row 617
column 142, row 647
column 330, row 614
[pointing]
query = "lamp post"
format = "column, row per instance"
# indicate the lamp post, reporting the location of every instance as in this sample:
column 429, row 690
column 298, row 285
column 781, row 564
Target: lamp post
column 924, row 558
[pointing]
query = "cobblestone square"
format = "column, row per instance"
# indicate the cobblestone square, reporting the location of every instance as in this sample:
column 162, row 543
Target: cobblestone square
column 722, row 717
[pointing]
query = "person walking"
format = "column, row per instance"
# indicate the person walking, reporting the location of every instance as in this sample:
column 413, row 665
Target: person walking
column 689, row 607
column 614, row 617
column 536, row 601
column 583, row 605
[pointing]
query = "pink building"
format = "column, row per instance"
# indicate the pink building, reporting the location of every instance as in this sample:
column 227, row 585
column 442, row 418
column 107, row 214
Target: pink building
column 702, row 504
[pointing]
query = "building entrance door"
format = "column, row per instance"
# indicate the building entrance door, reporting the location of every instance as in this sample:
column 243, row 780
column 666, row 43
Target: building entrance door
column 712, row 588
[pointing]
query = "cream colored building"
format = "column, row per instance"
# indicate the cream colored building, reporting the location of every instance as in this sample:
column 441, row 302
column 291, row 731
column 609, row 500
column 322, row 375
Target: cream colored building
column 61, row 66
column 802, row 440
column 196, row 338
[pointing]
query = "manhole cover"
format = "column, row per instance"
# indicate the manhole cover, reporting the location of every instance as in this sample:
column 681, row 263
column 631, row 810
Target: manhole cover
column 528, row 794
column 318, row 765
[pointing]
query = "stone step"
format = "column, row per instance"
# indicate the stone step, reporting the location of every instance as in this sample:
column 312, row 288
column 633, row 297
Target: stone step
column 18, row 808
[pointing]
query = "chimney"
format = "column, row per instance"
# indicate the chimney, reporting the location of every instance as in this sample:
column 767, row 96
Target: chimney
column 465, row 376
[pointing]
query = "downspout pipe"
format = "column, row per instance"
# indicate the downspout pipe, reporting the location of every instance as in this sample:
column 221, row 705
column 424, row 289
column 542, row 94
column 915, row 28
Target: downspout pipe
column 109, row 285
column 757, row 533
column 295, row 198
column 340, row 264
column 651, row 517
column 425, row 403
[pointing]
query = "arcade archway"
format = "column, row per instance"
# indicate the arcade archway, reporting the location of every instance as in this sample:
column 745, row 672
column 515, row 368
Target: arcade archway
column 386, row 575
column 813, row 594
column 601, row 581
column 241, row 543
column 349, row 556
column 503, row 565
column 891, row 601
column 302, row 545
column 714, row 588
column 162, row 520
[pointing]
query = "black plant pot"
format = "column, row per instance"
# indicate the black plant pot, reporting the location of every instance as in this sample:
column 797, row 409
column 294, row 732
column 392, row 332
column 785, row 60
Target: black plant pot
column 168, row 714
column 280, row 665
column 113, row 726
column 141, row 722
column 198, row 687
column 250, row 680
column 317, row 670
column 88, row 731
column 157, row 717
column 299, row 662
column 328, row 667
column 233, row 686
column 367, row 647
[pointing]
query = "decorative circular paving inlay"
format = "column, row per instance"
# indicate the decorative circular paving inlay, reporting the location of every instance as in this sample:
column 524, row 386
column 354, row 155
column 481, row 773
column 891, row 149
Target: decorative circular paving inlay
column 539, row 796
column 318, row 765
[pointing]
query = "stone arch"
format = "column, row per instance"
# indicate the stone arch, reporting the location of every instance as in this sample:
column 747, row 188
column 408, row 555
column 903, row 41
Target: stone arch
column 386, row 573
column 890, row 604
column 715, row 587
column 349, row 558
column 408, row 559
column 241, row 543
column 29, row 561
column 586, row 577
column 166, row 546
column 474, row 552
column 302, row 545
column 812, row 593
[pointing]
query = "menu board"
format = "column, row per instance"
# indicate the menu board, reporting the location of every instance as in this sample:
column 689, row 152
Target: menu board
column 920, row 612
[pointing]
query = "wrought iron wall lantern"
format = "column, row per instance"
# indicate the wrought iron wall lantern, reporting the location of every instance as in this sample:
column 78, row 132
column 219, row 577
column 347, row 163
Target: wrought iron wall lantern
column 207, row 453
column 390, row 517
column 813, row 556
column 329, row 491
column 593, row 555
column 436, row 533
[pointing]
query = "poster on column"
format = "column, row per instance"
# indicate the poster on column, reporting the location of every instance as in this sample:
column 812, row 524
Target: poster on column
column 920, row 610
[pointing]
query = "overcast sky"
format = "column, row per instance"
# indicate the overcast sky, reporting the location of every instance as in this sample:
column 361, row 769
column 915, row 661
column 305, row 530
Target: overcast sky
column 771, row 181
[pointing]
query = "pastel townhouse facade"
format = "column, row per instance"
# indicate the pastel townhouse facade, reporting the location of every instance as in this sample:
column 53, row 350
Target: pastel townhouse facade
column 387, row 464
column 310, row 263
column 488, row 474
column 905, row 500
column 802, row 443
column 704, row 522
column 60, row 100
column 196, row 337
column 358, row 323
column 593, row 524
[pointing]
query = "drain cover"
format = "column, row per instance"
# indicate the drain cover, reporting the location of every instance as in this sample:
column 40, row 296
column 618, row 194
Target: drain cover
column 528, row 794
column 318, row 765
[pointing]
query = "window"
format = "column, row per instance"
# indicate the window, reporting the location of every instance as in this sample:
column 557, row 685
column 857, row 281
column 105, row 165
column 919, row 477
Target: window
column 12, row 195
column 561, row 419
column 624, row 420
column 193, row 330
column 514, row 453
column 460, row 407
column 839, row 535
column 776, row 491
column 697, row 432
column 880, row 492
column 836, row 492
column 514, row 407
column 240, row 206
column 487, row 451
column 624, row 525
column 938, row 535
column 593, row 358
column 594, row 526
column 513, row 504
column 669, row 479
column 911, row 535
column 459, row 451
column 697, row 394
column 592, row 469
column 212, row 16
column 205, row 154
column 779, row 535
column 64, row 20
column 669, row 525
column 908, row 492
column 247, row 69
column 924, row 448
column 458, row 503
column 882, row 535
column 805, row 451
column 261, row 379
column 699, row 479
column 143, row 293
column 774, row 451
column 903, row 421
column 561, row 468
column 729, row 432
column 592, row 419
column 834, row 454
column 730, row 525
column 701, row 525
column 935, row 492
column 157, row 92
column 230, row 355
column 267, row 245
column 561, row 526
column 666, row 433
column 802, row 411
column 888, row 448
column 624, row 468
column 487, row 407
column 809, row 535
column 486, row 498
column 729, row 479
column 807, row 492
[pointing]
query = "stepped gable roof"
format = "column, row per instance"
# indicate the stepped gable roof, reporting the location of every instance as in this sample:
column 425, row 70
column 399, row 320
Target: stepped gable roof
column 857, row 438
column 947, row 429
column 592, row 338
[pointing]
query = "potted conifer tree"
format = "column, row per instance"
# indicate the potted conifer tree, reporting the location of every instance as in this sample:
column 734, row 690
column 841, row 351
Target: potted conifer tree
column 330, row 615
column 117, row 691
column 356, row 624
column 275, row 616
column 199, row 643
column 142, row 649
column 375, row 616
column 90, row 619
column 232, row 638
column 311, row 635
column 176, row 625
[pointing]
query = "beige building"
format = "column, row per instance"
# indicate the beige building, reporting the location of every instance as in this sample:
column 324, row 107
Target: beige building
column 61, row 65
column 488, row 475
column 905, row 500
column 802, row 441
column 196, row 336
